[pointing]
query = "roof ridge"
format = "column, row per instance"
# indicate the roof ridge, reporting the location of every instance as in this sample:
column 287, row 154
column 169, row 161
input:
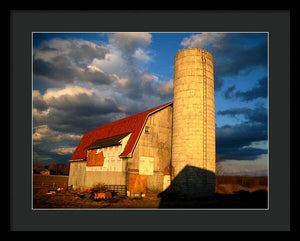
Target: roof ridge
column 122, row 119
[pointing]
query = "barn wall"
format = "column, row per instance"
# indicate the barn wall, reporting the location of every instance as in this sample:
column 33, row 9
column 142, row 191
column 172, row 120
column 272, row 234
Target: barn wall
column 77, row 174
column 107, row 178
column 155, row 144
column 113, row 170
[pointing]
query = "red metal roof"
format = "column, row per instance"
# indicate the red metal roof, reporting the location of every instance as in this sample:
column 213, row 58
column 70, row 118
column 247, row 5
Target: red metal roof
column 132, row 124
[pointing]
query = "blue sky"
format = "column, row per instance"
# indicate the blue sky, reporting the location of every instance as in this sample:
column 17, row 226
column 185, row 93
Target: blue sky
column 95, row 78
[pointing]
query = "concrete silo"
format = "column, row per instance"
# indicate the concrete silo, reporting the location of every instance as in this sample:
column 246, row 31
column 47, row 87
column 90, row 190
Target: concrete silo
column 193, row 135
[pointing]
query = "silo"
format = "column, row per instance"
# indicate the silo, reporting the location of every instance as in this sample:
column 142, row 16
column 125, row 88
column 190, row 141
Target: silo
column 193, row 135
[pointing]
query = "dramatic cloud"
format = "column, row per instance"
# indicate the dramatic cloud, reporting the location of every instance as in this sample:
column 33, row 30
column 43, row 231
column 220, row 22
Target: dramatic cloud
column 218, row 83
column 257, row 115
column 260, row 90
column 70, row 108
column 234, row 142
column 43, row 133
column 77, row 51
column 44, row 156
column 69, row 60
column 80, row 85
column 239, row 60
column 233, row 54
column 63, row 150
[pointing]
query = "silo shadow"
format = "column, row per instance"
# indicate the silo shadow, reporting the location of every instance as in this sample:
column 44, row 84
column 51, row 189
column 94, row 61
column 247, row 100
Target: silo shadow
column 188, row 187
column 199, row 194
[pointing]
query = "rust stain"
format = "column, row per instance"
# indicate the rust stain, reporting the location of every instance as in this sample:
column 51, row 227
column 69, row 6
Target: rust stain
column 94, row 159
column 137, row 183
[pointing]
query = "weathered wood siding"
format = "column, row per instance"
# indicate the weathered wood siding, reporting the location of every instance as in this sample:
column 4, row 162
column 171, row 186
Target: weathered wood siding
column 154, row 142
column 77, row 174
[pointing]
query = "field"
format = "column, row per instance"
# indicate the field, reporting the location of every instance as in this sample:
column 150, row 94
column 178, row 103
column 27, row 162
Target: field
column 231, row 192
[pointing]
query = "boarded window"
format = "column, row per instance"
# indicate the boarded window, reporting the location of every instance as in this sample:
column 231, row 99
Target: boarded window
column 146, row 165
column 95, row 158
column 137, row 183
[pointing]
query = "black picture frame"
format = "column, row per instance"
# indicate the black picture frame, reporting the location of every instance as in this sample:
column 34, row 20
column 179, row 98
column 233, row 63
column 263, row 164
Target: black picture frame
column 276, row 23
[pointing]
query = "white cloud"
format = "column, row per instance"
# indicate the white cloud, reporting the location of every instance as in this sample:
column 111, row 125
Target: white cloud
column 130, row 41
column 93, row 68
column 69, row 90
column 141, row 55
column 113, row 63
column 63, row 150
column 43, row 133
column 147, row 78
column 166, row 88
column 132, row 46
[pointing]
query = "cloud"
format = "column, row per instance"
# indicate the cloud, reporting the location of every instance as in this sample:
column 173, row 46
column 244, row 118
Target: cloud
column 38, row 101
column 229, row 93
column 166, row 88
column 43, row 133
column 141, row 55
column 63, row 150
column 80, row 52
column 203, row 39
column 257, row 115
column 235, row 142
column 234, row 60
column 69, row 109
column 45, row 156
column 40, row 158
column 94, row 84
column 112, row 63
column 67, row 61
column 233, row 54
column 260, row 90
column 218, row 83
column 69, row 90
column 234, row 167
column 130, row 42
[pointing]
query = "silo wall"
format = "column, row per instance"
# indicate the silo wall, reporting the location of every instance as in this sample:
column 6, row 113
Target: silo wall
column 193, row 135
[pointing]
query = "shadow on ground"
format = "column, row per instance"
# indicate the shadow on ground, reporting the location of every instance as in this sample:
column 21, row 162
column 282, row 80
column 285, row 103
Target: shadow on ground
column 194, row 187
column 240, row 199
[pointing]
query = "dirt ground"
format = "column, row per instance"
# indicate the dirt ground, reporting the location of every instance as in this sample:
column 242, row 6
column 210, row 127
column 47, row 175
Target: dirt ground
column 225, row 197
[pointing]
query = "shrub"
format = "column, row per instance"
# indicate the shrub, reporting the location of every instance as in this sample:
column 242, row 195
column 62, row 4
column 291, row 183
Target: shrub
column 99, row 187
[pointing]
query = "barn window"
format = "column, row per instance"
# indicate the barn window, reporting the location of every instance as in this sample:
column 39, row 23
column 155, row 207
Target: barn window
column 146, row 165
column 147, row 129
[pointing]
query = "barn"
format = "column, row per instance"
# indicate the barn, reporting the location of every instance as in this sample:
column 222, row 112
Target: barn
column 171, row 146
column 133, row 152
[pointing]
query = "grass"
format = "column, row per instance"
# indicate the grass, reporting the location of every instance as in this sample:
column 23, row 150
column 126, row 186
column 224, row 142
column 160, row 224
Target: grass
column 252, row 194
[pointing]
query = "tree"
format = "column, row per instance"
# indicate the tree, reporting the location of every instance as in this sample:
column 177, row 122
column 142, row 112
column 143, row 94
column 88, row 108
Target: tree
column 52, row 168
